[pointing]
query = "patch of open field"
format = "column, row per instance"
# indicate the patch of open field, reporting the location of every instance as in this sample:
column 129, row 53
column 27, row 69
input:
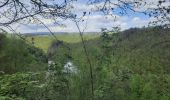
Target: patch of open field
column 44, row 42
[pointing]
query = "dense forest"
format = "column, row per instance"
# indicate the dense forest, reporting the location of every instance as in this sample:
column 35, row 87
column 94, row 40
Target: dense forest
column 127, row 65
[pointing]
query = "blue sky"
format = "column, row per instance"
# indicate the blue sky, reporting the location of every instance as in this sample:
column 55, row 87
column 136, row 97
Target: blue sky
column 95, row 21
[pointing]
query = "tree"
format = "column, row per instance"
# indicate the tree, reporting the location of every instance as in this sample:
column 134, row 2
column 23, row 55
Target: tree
column 17, row 10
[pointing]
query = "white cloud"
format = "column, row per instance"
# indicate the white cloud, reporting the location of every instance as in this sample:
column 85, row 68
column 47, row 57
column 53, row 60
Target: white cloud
column 94, row 22
column 151, row 4
column 137, row 22
column 90, row 7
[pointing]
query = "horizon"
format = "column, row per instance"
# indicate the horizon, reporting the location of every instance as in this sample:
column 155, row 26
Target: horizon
column 74, row 32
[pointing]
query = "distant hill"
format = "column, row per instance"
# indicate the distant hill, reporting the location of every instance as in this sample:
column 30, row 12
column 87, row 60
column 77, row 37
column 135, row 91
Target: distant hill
column 56, row 33
column 43, row 33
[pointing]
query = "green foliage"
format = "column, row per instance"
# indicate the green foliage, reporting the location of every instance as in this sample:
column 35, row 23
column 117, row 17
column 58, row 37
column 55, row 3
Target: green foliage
column 126, row 65
column 19, row 86
column 18, row 56
column 129, row 65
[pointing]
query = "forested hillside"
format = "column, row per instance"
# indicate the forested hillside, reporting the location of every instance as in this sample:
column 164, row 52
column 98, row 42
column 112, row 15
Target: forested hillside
column 16, row 55
column 129, row 65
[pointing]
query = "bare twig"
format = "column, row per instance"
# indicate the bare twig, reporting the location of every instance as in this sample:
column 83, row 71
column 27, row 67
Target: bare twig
column 88, row 58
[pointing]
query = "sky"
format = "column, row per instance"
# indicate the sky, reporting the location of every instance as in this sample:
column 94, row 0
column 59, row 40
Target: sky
column 92, row 23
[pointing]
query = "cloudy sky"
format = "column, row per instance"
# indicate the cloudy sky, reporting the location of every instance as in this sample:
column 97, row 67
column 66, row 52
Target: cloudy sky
column 93, row 22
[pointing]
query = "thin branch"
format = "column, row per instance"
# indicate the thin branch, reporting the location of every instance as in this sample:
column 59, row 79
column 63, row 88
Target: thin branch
column 4, row 4
column 88, row 58
column 14, row 32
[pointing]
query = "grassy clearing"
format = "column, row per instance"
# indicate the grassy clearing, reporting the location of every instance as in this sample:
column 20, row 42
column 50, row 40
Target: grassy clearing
column 44, row 42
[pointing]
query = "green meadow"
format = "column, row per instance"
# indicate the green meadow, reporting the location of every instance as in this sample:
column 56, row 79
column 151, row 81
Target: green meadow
column 43, row 42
